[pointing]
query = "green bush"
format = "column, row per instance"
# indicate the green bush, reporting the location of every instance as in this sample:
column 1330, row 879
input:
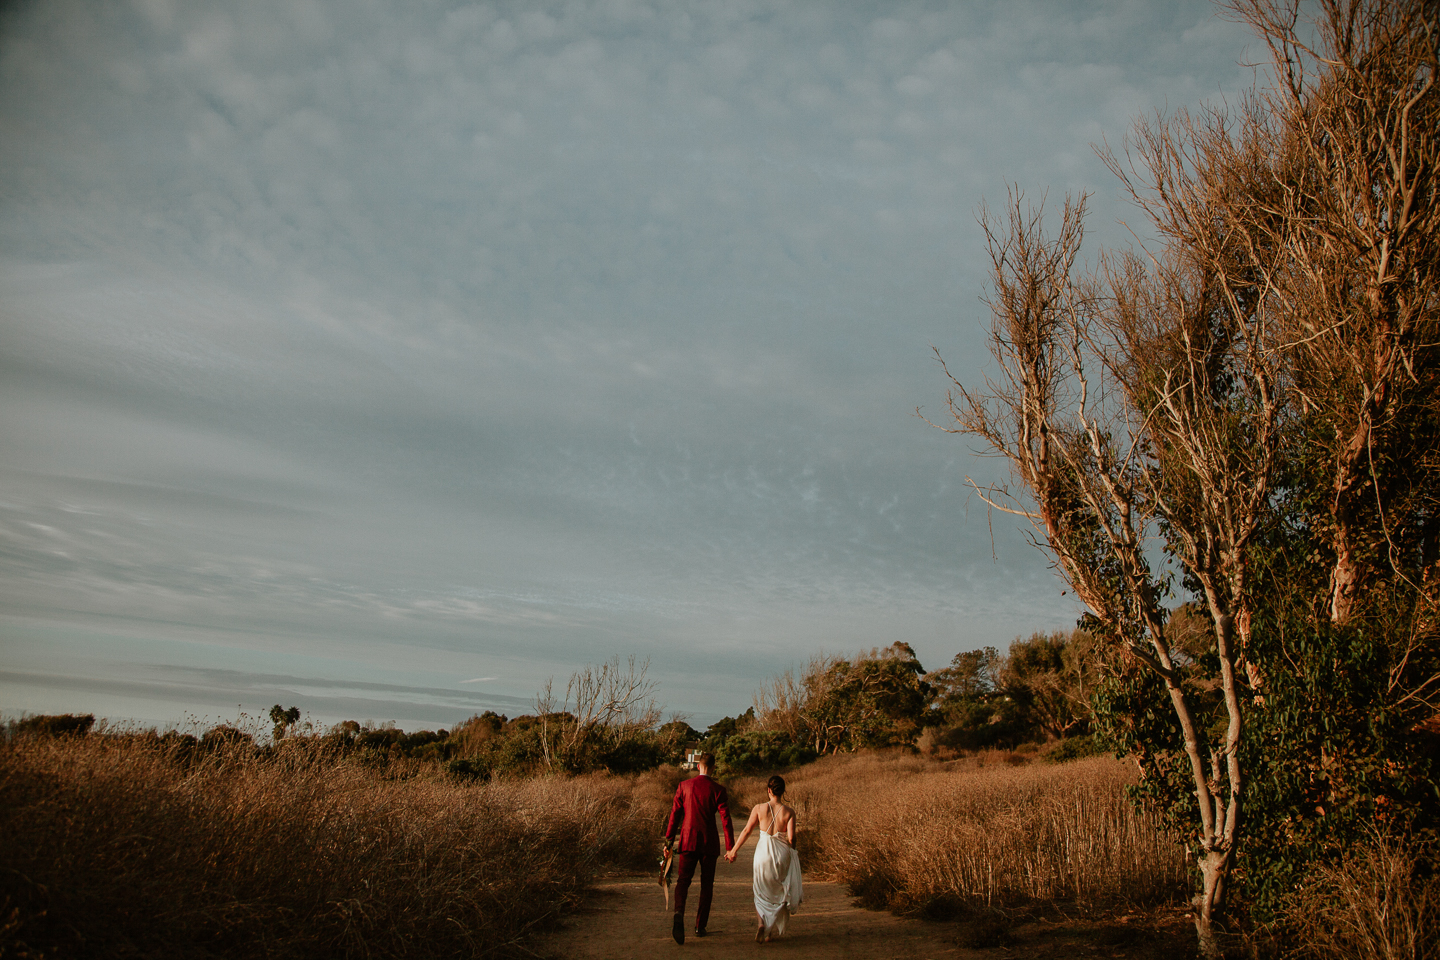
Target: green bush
column 55, row 725
column 224, row 735
column 520, row 751
column 759, row 751
column 465, row 770
column 632, row 754
column 1076, row 748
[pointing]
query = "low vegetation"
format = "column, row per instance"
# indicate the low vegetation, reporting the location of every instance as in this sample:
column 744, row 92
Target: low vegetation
column 997, row 831
column 138, row 844
column 121, row 843
column 1381, row 901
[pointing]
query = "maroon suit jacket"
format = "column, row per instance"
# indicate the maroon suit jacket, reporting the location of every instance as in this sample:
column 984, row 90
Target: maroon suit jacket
column 697, row 800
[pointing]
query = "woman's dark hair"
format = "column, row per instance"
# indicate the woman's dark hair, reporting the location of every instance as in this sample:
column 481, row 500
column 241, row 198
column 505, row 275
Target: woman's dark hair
column 776, row 785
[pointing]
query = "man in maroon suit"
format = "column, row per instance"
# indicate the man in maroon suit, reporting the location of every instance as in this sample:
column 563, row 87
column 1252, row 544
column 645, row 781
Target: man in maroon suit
column 697, row 800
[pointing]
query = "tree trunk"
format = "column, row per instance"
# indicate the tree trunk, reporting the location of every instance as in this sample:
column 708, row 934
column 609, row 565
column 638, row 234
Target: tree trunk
column 1210, row 902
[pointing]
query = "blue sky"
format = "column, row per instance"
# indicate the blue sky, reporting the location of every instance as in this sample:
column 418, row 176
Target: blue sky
column 389, row 358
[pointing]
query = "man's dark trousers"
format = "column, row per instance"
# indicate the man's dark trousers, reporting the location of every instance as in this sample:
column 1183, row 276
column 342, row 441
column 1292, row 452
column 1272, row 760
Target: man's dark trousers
column 688, row 861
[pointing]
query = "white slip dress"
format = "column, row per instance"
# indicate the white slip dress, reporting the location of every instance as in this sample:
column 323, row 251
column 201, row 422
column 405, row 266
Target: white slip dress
column 777, row 881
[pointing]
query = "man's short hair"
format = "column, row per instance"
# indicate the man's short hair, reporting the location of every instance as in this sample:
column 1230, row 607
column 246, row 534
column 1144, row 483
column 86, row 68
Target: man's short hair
column 706, row 759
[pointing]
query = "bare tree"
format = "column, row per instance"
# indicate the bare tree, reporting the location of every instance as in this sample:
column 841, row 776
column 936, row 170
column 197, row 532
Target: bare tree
column 1354, row 119
column 802, row 709
column 603, row 704
column 780, row 707
column 1106, row 408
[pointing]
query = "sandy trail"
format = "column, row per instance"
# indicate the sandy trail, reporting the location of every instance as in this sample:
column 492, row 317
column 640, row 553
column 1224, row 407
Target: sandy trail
column 627, row 917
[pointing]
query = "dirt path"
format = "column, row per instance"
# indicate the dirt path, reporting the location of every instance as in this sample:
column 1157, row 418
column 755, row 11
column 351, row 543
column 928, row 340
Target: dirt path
column 626, row 919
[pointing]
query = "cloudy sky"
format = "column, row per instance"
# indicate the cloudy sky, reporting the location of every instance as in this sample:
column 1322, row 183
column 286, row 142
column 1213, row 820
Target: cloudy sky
column 387, row 358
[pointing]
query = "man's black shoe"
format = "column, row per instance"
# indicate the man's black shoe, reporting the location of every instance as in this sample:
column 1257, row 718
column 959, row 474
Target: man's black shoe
column 701, row 933
column 678, row 930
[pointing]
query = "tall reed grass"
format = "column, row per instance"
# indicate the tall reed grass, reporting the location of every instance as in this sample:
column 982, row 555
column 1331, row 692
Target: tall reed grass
column 132, row 846
column 1380, row 902
column 913, row 835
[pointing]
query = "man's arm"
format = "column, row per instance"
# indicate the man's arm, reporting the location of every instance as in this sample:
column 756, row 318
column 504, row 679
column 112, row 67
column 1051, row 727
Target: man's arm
column 734, row 848
column 725, row 819
column 677, row 815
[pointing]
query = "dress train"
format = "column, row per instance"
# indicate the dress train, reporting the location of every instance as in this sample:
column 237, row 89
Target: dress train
column 777, row 882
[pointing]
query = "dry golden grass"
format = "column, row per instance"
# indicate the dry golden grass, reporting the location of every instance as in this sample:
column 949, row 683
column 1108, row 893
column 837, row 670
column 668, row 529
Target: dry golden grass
column 123, row 846
column 131, row 846
column 988, row 832
column 1380, row 902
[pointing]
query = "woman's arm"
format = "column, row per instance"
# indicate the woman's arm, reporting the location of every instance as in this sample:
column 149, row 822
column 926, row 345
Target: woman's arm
column 744, row 834
column 790, row 828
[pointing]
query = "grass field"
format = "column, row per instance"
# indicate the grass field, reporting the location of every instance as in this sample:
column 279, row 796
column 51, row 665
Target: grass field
column 137, row 845
column 140, row 844
column 129, row 845
column 941, row 839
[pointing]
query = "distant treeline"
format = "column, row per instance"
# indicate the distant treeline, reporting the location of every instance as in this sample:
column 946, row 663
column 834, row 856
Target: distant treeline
column 1036, row 693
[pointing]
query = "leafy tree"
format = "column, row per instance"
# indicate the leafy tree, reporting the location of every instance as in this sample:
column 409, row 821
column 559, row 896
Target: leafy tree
column 283, row 719
column 680, row 731
column 760, row 751
column 342, row 735
column 723, row 729
column 674, row 738
column 996, row 721
column 469, row 736
column 968, row 707
column 1335, row 751
column 1039, row 691
column 876, row 699
column 1258, row 396
column 1051, row 677
column 972, row 677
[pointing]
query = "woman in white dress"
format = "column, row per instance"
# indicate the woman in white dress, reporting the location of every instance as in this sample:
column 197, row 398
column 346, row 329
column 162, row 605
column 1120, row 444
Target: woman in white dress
column 777, row 865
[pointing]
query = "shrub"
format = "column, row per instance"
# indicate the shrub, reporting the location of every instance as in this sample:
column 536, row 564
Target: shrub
column 1075, row 748
column 225, row 736
column 761, row 750
column 1379, row 902
column 979, row 725
column 55, row 725
column 634, row 753
column 468, row 769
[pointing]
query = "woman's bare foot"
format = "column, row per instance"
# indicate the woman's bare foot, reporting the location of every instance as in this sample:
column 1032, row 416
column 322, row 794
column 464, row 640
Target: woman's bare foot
column 760, row 932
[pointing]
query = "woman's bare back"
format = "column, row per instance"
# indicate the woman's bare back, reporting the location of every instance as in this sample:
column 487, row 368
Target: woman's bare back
column 778, row 819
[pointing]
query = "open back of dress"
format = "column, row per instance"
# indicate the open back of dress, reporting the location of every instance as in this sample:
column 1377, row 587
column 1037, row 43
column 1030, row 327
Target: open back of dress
column 777, row 881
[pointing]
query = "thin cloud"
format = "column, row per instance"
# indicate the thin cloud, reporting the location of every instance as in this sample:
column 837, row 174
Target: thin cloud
column 536, row 336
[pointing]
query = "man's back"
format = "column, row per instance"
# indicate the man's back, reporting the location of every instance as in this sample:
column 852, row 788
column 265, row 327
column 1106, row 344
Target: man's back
column 697, row 800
